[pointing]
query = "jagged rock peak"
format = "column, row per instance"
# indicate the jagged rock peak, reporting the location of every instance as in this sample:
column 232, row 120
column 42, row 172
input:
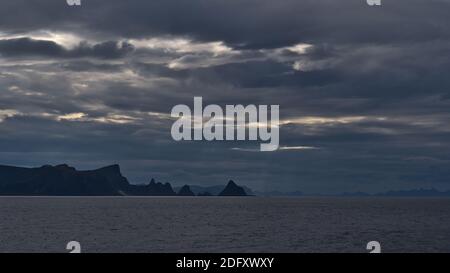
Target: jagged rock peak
column 232, row 189
column 185, row 191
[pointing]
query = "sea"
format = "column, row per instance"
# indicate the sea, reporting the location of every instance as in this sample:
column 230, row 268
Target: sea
column 223, row 224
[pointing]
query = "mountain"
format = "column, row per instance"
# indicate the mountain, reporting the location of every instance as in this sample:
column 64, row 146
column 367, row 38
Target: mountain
column 156, row 189
column 212, row 190
column 62, row 180
column 416, row 193
column 399, row 193
column 278, row 193
column 402, row 193
column 185, row 191
column 233, row 190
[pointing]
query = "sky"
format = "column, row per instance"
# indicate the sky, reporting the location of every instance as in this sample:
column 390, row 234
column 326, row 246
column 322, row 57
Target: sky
column 364, row 92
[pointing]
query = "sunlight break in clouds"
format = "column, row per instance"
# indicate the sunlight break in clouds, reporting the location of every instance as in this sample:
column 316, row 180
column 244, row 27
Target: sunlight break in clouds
column 8, row 113
column 327, row 120
column 281, row 148
column 182, row 45
column 65, row 39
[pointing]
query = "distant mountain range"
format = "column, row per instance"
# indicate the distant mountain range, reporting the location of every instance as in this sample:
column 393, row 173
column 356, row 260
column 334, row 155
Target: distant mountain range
column 63, row 180
column 212, row 190
column 408, row 193
column 278, row 193
column 405, row 193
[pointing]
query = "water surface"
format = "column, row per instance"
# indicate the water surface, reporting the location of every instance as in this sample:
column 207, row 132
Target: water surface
column 212, row 224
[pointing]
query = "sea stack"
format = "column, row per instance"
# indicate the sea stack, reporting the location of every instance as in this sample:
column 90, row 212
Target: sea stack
column 185, row 191
column 158, row 189
column 233, row 190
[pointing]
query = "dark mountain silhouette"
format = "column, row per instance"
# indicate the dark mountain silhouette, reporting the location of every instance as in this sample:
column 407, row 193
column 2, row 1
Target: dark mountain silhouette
column 155, row 189
column 62, row 180
column 416, row 193
column 212, row 190
column 401, row 193
column 185, row 191
column 233, row 190
column 279, row 193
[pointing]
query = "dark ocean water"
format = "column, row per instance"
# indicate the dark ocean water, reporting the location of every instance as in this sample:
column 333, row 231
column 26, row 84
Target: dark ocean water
column 214, row 224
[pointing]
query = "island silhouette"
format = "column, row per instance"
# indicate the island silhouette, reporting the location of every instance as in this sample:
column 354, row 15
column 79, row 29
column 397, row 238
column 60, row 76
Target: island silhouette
column 64, row 180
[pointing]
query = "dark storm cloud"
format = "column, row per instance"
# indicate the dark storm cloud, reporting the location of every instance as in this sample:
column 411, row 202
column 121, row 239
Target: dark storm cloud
column 368, row 100
column 23, row 47
column 254, row 74
column 86, row 65
column 246, row 24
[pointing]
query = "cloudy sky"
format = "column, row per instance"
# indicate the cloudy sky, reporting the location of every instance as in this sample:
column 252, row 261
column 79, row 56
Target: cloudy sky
column 364, row 92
